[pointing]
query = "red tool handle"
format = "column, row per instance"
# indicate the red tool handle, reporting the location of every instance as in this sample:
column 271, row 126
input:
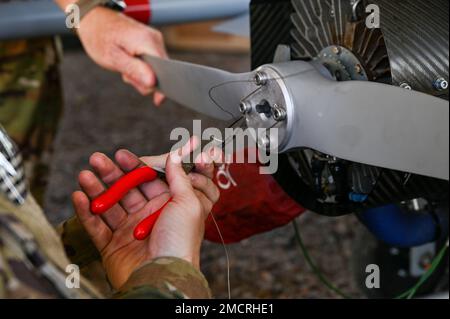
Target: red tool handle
column 121, row 187
column 145, row 227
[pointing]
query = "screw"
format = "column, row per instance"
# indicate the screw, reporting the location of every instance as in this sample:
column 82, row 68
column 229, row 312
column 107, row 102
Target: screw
column 440, row 84
column 406, row 86
column 332, row 14
column 336, row 50
column 245, row 107
column 261, row 78
column 279, row 114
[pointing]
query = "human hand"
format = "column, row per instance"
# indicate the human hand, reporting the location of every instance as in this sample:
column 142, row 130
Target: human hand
column 115, row 42
column 178, row 231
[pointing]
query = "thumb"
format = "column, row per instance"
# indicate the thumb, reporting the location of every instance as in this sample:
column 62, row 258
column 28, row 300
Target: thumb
column 134, row 69
column 179, row 183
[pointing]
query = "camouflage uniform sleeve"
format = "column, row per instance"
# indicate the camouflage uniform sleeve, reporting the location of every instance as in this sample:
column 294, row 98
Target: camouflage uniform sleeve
column 77, row 243
column 166, row 277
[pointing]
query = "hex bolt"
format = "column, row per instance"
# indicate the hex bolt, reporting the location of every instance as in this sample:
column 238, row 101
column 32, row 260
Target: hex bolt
column 406, row 86
column 261, row 78
column 440, row 84
column 279, row 114
column 245, row 107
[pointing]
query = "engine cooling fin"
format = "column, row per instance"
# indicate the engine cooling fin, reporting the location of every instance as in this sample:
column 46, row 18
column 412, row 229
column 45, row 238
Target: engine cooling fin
column 410, row 47
column 416, row 34
column 321, row 24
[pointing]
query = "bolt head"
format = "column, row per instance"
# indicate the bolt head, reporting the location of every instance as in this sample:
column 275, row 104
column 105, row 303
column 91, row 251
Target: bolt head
column 441, row 84
column 244, row 107
column 279, row 114
column 406, row 86
column 261, row 78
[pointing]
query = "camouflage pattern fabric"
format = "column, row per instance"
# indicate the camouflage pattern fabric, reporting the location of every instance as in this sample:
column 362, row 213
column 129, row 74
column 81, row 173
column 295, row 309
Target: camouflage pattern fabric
column 167, row 275
column 33, row 257
column 31, row 102
column 33, row 263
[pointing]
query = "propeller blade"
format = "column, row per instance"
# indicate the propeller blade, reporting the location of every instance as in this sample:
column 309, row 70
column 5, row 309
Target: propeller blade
column 372, row 123
column 209, row 91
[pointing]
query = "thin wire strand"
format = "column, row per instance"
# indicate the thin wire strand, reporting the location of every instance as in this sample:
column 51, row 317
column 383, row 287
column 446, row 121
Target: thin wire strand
column 313, row 266
column 224, row 142
column 226, row 255
column 409, row 294
column 243, row 81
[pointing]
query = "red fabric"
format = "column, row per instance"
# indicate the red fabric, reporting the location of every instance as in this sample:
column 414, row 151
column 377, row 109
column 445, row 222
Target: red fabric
column 255, row 204
column 139, row 10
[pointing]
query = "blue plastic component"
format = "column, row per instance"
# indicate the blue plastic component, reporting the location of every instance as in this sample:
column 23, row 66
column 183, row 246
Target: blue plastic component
column 401, row 228
column 357, row 197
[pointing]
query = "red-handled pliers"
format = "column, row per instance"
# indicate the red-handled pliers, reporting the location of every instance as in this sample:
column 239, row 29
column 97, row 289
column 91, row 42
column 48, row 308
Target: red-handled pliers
column 120, row 188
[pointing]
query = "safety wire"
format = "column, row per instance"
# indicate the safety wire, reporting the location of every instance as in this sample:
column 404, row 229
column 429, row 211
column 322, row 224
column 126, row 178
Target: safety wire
column 227, row 257
column 408, row 294
column 216, row 103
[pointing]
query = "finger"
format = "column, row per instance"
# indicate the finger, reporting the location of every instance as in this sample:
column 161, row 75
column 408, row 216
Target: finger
column 109, row 173
column 148, row 41
column 216, row 154
column 93, row 187
column 205, row 202
column 211, row 154
column 141, row 89
column 179, row 182
column 160, row 161
column 206, row 186
column 204, row 165
column 129, row 161
column 134, row 70
column 158, row 98
column 155, row 161
column 96, row 228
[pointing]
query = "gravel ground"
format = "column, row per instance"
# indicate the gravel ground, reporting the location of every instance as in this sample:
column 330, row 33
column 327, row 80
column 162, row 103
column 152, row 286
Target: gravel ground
column 103, row 114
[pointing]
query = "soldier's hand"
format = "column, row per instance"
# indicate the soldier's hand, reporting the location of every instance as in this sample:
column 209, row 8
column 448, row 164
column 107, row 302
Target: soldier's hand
column 114, row 41
column 180, row 228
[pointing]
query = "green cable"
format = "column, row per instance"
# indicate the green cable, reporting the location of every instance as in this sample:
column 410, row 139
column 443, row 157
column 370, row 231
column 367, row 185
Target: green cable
column 409, row 294
column 313, row 266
